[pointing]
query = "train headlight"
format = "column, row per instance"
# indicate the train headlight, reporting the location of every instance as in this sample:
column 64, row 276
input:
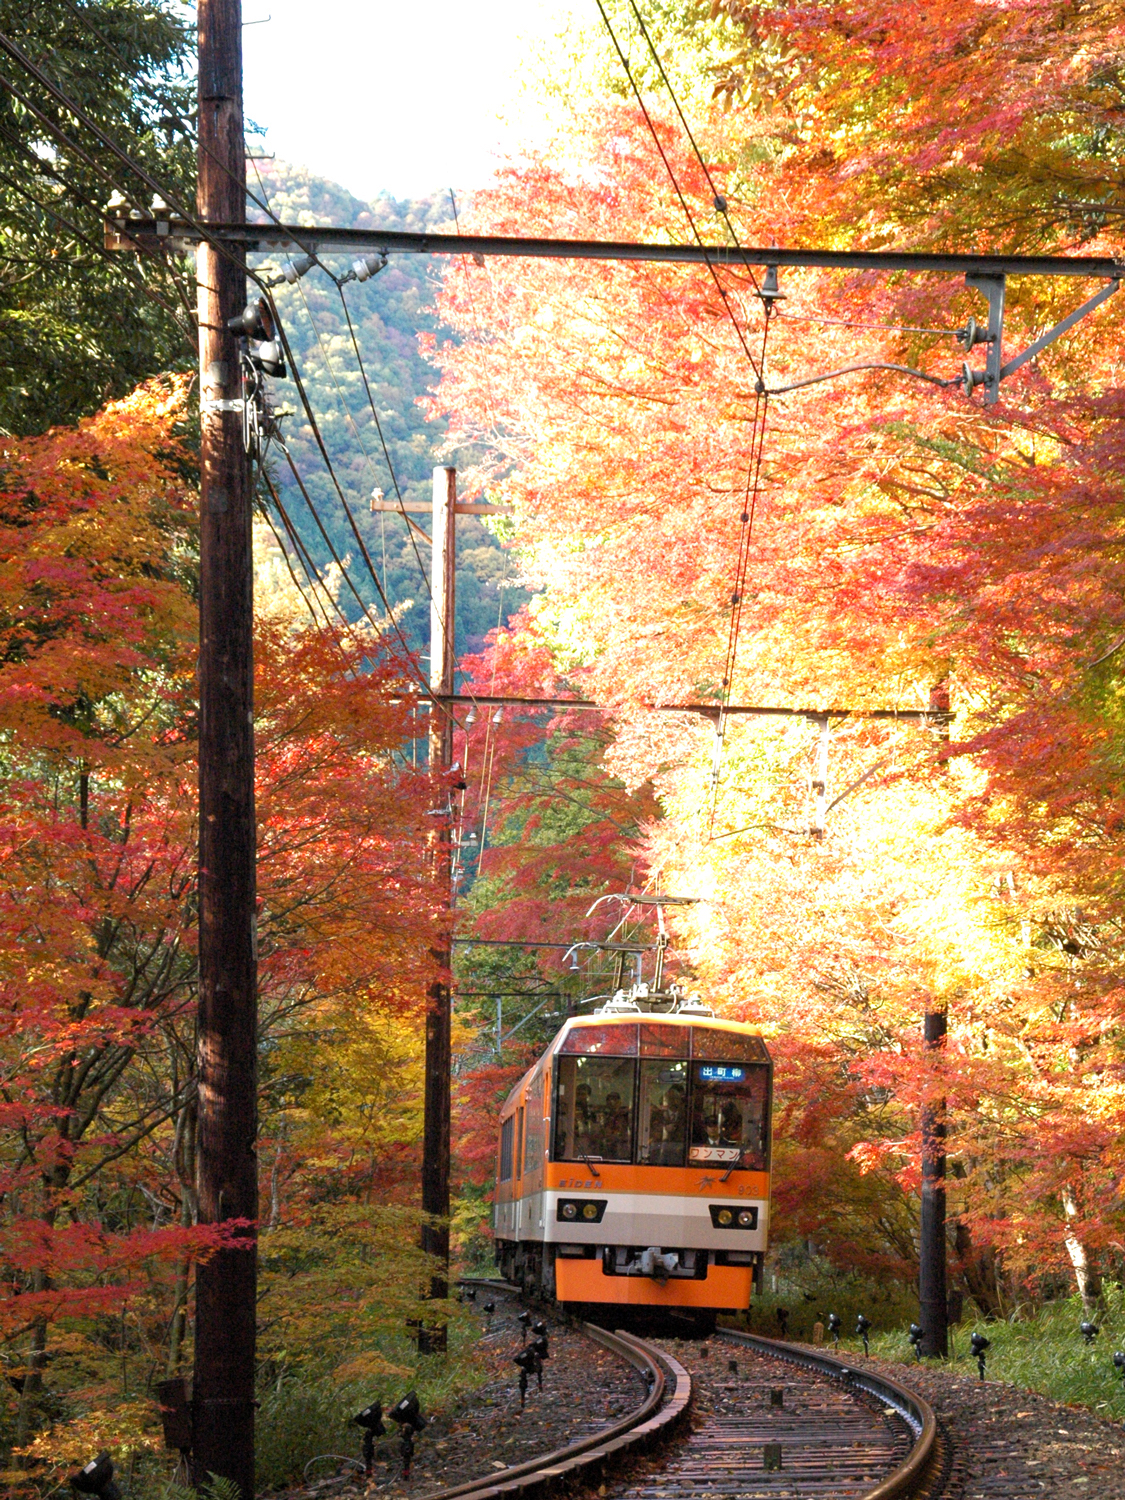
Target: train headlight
column 585, row 1210
column 731, row 1216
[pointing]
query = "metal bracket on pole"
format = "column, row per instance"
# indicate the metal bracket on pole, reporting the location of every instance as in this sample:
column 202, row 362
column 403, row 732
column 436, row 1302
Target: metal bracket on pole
column 993, row 288
column 1059, row 329
column 995, row 370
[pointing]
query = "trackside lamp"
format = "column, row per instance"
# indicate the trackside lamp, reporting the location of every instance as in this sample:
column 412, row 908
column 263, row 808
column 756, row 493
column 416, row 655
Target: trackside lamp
column 97, row 1479
column 371, row 1420
column 978, row 1344
column 863, row 1328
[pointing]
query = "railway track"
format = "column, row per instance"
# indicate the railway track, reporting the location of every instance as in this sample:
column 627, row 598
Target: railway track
column 751, row 1417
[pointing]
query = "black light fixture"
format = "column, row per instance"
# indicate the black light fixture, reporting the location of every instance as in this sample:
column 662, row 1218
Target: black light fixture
column 1119, row 1363
column 408, row 1413
column 529, row 1363
column 863, row 1328
column 371, row 1420
column 489, row 1309
column 834, row 1328
column 540, row 1346
column 470, row 1294
column 978, row 1344
column 916, row 1336
column 97, row 1479
column 1089, row 1331
column 539, row 1327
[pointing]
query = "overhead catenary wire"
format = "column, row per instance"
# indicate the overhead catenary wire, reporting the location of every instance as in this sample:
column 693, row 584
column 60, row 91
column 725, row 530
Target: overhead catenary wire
column 722, row 291
column 761, row 395
column 717, row 198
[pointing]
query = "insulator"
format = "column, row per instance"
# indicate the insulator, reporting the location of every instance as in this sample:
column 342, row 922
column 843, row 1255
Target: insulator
column 368, row 265
column 293, row 270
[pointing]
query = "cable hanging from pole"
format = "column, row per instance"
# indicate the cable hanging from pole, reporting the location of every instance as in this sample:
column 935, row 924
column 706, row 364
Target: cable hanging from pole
column 761, row 395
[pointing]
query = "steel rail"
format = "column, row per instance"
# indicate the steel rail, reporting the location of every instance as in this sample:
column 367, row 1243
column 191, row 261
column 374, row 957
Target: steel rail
column 651, row 1421
column 122, row 233
column 917, row 1413
column 540, row 1475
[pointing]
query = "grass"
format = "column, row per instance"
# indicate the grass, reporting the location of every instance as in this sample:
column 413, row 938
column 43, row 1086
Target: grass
column 1041, row 1350
column 305, row 1415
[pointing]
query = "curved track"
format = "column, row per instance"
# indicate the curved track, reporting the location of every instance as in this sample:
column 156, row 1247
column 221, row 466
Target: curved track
column 839, row 1430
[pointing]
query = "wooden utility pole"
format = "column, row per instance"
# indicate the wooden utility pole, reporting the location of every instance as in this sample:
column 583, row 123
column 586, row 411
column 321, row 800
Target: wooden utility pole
column 931, row 1250
column 435, row 1138
column 225, row 1295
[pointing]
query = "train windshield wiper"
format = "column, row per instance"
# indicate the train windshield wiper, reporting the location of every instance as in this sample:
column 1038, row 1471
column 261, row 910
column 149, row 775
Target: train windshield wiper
column 730, row 1169
column 590, row 1165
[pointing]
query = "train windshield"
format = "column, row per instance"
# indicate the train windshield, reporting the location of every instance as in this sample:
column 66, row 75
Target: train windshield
column 594, row 1109
column 728, row 1114
column 662, row 1126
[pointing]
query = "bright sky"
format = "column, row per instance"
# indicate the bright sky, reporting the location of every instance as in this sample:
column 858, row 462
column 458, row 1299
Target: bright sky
column 403, row 96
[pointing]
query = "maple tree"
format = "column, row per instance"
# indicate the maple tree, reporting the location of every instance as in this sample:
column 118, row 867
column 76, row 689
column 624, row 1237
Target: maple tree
column 902, row 538
column 97, row 930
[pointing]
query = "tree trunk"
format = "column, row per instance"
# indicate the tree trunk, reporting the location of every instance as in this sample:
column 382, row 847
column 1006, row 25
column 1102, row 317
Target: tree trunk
column 1086, row 1273
column 980, row 1271
column 33, row 1377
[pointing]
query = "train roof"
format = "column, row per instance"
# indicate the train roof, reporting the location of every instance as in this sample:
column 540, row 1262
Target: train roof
column 692, row 1017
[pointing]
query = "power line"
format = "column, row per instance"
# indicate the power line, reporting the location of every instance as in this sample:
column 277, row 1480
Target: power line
column 761, row 397
column 679, row 194
column 717, row 198
column 93, row 245
column 383, row 441
column 408, row 660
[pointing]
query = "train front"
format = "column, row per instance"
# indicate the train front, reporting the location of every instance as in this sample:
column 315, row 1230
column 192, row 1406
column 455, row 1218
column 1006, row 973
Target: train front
column 654, row 1185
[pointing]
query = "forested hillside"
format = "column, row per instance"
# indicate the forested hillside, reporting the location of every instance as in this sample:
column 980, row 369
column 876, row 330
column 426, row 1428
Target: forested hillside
column 389, row 313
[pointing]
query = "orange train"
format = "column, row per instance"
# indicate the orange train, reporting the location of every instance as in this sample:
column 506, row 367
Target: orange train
column 633, row 1163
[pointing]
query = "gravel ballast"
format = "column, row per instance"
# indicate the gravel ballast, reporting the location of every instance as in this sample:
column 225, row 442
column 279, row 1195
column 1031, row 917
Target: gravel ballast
column 585, row 1390
column 1010, row 1443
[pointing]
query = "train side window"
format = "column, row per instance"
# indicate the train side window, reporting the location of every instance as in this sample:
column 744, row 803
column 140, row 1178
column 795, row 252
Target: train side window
column 594, row 1109
column 507, row 1131
column 533, row 1147
column 662, row 1116
column 728, row 1114
column 519, row 1142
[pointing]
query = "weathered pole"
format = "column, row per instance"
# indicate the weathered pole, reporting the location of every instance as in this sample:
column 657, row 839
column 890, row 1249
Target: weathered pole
column 225, row 1295
column 435, row 1137
column 931, row 1250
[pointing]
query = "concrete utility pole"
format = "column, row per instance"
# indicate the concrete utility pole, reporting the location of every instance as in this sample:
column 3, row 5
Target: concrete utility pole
column 931, row 1250
column 225, row 1295
column 435, row 1138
